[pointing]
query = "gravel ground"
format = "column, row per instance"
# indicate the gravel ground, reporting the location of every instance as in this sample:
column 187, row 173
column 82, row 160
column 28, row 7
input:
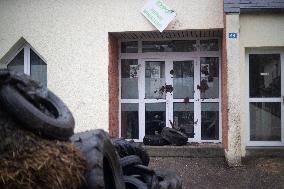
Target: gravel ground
column 214, row 173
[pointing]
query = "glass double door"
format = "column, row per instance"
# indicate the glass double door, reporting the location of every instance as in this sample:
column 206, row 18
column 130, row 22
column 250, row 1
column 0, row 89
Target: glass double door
column 178, row 93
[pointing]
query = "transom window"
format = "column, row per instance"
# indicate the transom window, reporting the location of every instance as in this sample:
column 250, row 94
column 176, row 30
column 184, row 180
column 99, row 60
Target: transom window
column 29, row 62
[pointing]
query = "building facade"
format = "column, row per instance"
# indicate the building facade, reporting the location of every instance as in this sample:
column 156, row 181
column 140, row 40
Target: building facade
column 215, row 72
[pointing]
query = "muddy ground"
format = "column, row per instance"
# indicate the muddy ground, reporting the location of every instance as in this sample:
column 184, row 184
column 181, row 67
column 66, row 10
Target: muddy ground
column 214, row 173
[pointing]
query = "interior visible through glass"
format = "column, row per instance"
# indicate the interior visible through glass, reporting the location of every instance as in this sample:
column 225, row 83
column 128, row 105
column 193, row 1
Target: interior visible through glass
column 184, row 118
column 209, row 79
column 17, row 64
column 265, row 121
column 209, row 121
column 209, row 45
column 129, row 78
column 38, row 68
column 169, row 46
column 155, row 80
column 155, row 117
column 183, row 74
column 264, row 75
column 130, row 120
column 129, row 47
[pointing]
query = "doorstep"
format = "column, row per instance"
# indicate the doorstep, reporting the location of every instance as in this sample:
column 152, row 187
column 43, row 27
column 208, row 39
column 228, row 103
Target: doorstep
column 265, row 151
column 189, row 151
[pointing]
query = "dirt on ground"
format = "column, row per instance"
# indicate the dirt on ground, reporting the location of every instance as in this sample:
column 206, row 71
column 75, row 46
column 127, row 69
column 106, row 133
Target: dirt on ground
column 214, row 172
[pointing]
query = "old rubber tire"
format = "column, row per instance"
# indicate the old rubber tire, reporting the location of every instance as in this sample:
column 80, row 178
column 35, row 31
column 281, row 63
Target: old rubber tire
column 125, row 148
column 57, row 124
column 168, row 179
column 174, row 137
column 134, row 183
column 146, row 174
column 104, row 170
column 130, row 160
column 154, row 140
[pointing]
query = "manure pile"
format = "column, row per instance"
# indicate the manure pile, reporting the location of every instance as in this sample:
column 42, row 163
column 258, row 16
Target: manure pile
column 28, row 161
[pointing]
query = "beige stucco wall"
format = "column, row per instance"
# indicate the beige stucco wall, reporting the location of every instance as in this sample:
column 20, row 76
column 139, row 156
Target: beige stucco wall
column 256, row 31
column 72, row 36
column 233, row 154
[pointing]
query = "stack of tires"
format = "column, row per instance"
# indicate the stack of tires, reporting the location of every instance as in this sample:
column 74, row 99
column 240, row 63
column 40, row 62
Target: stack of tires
column 168, row 136
column 134, row 161
column 120, row 164
column 116, row 164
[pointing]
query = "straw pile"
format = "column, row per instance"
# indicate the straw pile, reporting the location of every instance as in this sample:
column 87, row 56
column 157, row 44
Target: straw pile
column 28, row 161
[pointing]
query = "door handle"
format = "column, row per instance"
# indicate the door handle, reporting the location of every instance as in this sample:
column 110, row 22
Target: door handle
column 283, row 100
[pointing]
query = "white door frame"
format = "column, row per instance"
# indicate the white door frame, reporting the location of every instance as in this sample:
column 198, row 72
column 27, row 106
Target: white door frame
column 248, row 99
column 169, row 57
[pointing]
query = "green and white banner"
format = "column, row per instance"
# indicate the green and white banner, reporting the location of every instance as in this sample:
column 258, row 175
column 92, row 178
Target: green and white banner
column 159, row 14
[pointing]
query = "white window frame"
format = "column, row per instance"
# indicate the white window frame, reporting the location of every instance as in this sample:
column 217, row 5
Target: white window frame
column 170, row 57
column 248, row 99
column 27, row 59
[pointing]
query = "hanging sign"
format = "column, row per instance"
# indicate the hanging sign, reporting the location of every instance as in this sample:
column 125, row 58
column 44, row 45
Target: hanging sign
column 159, row 14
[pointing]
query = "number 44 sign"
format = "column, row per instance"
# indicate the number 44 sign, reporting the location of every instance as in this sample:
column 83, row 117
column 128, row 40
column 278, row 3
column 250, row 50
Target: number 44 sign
column 233, row 35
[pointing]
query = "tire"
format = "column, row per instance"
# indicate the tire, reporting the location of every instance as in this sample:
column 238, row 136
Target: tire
column 146, row 175
column 125, row 148
column 130, row 160
column 174, row 137
column 168, row 179
column 4, row 74
column 104, row 170
column 154, row 140
column 56, row 122
column 138, row 170
column 134, row 183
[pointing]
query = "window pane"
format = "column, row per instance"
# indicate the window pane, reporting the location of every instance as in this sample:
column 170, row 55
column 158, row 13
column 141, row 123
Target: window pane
column 129, row 121
column 129, row 47
column 129, row 79
column 209, row 81
column 169, row 46
column 155, row 79
column 209, row 45
column 38, row 68
column 184, row 118
column 209, row 121
column 264, row 75
column 17, row 64
column 155, row 118
column 183, row 73
column 265, row 121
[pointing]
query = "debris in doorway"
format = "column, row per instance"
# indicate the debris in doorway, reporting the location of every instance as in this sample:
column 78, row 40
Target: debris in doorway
column 154, row 140
column 174, row 137
column 174, row 125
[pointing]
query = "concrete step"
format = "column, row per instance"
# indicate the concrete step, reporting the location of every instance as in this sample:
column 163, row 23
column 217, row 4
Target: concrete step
column 192, row 151
column 265, row 151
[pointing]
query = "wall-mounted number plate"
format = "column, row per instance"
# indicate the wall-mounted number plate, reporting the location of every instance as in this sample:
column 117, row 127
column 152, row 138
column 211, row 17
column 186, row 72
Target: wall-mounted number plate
column 233, row 35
